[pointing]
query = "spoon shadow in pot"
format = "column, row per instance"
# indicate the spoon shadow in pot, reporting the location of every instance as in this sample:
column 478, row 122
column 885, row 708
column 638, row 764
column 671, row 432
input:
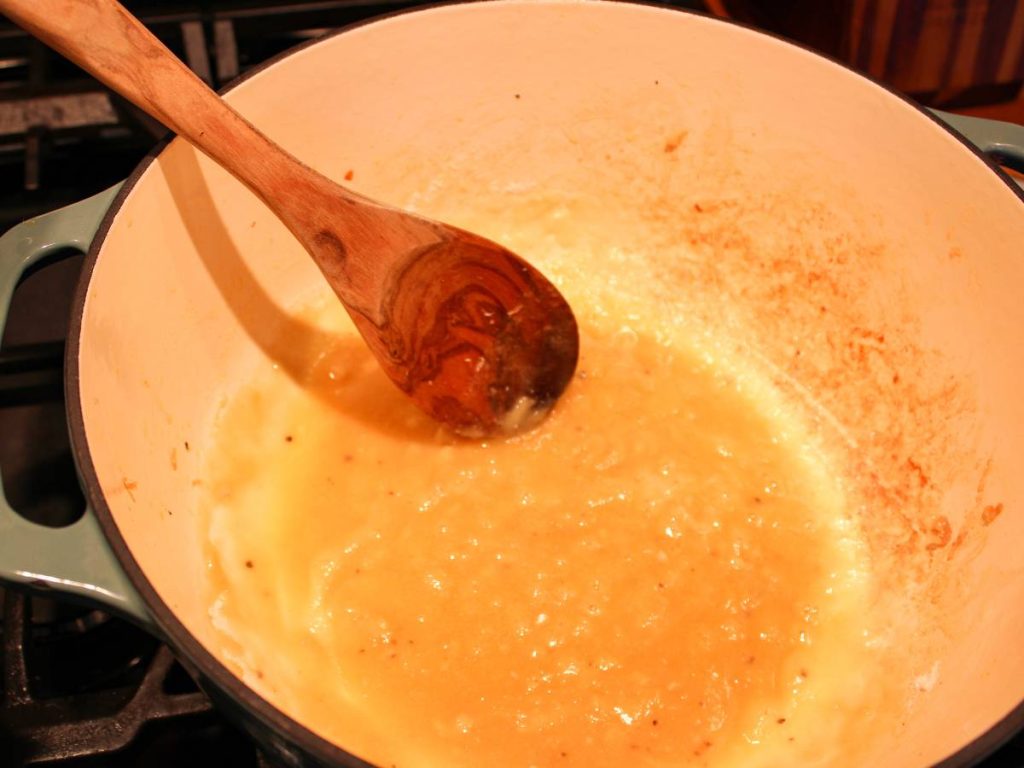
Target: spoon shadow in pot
column 301, row 349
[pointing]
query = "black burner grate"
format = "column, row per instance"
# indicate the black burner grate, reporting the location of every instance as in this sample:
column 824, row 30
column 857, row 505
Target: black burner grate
column 83, row 689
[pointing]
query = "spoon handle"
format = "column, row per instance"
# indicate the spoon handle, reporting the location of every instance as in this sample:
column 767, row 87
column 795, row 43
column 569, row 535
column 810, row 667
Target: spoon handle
column 107, row 41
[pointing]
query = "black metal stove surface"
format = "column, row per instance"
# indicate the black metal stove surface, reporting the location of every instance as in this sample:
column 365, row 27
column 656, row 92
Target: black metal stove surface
column 79, row 689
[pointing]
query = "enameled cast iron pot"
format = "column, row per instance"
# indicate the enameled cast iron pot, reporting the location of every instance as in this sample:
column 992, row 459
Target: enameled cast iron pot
column 869, row 254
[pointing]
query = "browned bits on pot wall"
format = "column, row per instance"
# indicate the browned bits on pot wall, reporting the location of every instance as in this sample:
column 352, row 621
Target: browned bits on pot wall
column 940, row 532
column 791, row 279
column 672, row 144
column 990, row 513
column 915, row 469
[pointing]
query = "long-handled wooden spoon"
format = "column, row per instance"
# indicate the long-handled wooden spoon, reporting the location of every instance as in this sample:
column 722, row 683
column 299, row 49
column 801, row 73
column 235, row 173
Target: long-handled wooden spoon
column 473, row 334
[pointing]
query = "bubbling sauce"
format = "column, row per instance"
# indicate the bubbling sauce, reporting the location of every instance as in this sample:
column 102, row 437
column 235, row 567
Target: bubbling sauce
column 663, row 573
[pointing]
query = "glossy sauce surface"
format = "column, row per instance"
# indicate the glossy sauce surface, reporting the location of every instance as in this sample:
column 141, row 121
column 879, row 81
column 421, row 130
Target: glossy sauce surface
column 662, row 574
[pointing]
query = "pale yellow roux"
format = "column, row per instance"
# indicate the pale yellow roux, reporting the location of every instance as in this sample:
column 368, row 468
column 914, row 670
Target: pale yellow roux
column 662, row 574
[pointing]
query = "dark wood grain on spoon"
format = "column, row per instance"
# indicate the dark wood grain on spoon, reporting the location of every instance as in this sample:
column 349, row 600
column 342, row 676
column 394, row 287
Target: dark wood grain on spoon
column 478, row 338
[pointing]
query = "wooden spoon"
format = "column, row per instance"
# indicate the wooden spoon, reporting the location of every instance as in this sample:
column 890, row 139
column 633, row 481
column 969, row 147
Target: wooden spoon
column 477, row 337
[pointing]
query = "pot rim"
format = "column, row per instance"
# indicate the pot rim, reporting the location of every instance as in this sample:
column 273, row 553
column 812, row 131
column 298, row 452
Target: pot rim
column 181, row 639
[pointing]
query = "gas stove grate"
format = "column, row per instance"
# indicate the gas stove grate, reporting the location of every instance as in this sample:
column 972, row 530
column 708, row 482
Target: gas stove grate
column 130, row 704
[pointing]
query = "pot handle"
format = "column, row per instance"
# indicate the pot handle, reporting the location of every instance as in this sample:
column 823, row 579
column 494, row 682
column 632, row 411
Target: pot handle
column 1003, row 142
column 75, row 560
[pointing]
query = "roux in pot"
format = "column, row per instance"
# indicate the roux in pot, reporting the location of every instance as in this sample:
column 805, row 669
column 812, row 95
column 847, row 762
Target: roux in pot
column 663, row 573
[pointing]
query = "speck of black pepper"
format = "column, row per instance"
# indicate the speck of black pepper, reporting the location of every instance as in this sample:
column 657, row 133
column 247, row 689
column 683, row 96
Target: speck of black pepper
column 803, row 673
column 362, row 650
column 186, row 446
column 259, row 673
column 751, row 659
column 781, row 720
column 564, row 754
column 792, row 738
column 661, row 585
column 758, row 500
column 170, row 513
column 654, row 722
column 248, row 564
column 518, row 96
column 657, row 82
column 393, row 655
column 288, row 438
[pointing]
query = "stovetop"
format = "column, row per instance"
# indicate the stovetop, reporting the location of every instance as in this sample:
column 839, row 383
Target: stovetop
column 80, row 689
